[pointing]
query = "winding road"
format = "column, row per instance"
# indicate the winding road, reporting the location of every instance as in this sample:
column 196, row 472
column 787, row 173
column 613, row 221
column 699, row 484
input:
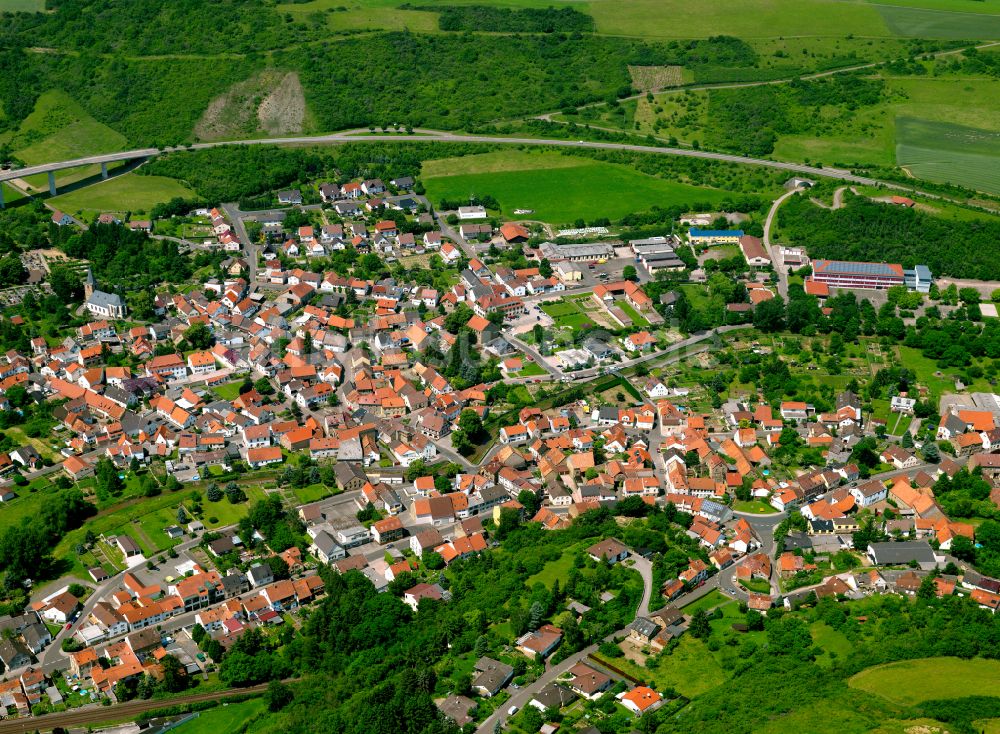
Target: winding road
column 437, row 136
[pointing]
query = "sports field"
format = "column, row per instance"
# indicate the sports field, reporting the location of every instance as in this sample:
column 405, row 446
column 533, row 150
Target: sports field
column 558, row 188
column 914, row 681
column 128, row 192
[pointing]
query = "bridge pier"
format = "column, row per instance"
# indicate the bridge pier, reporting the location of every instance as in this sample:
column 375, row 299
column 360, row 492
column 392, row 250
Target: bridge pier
column 104, row 171
column 52, row 183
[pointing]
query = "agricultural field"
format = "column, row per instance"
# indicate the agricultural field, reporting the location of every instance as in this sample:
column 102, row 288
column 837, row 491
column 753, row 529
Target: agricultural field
column 558, row 188
column 129, row 191
column 957, row 21
column 913, row 681
column 669, row 19
column 948, row 153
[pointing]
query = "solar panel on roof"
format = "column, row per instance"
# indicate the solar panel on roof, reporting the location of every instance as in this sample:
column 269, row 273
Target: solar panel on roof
column 855, row 268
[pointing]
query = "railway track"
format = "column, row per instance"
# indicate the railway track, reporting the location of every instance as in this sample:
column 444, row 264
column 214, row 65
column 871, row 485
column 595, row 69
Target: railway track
column 119, row 712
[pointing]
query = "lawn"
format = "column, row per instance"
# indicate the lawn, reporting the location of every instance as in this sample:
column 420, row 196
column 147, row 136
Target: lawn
column 10, row 194
column 926, row 370
column 224, row 719
column 228, row 390
column 637, row 318
column 347, row 17
column 711, row 600
column 531, row 369
column 312, row 493
column 757, row 507
column 690, row 669
column 913, row 681
column 226, row 513
column 558, row 188
column 759, row 586
column 129, row 191
column 569, row 314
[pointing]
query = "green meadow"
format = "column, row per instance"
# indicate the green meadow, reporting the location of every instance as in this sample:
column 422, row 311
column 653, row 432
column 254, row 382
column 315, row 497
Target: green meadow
column 912, row 682
column 128, row 192
column 22, row 6
column 557, row 188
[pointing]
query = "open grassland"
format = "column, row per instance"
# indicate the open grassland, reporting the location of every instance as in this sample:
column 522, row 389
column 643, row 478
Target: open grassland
column 128, row 192
column 558, row 191
column 22, row 6
column 60, row 129
column 359, row 15
column 914, row 681
column 224, row 719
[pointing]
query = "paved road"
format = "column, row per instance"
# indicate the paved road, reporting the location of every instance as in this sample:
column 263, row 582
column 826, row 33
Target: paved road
column 645, row 568
column 781, row 270
column 432, row 136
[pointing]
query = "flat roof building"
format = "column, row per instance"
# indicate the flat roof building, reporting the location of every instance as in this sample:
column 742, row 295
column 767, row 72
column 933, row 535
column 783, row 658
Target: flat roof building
column 845, row 274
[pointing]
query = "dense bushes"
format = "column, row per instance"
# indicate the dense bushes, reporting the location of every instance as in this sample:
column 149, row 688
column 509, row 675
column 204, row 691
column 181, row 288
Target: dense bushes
column 749, row 120
column 486, row 19
column 236, row 172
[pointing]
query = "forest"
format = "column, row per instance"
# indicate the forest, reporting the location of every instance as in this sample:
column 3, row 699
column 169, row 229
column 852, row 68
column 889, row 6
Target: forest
column 876, row 232
column 155, row 27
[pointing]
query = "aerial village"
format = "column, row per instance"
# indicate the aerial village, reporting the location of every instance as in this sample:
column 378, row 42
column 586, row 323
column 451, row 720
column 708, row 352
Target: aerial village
column 388, row 422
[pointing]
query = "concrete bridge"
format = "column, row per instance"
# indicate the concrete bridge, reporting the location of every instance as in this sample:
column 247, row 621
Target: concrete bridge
column 51, row 168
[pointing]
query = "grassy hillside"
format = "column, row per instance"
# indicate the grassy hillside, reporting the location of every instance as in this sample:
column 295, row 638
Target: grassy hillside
column 58, row 129
column 915, row 681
